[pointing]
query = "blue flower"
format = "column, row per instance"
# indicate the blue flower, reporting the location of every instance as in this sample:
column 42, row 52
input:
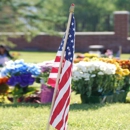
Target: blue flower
column 20, row 73
column 34, row 70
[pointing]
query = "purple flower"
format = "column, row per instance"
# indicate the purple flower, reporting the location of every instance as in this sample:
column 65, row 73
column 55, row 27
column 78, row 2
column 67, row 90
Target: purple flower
column 12, row 81
column 31, row 80
column 45, row 68
column 18, row 79
column 23, row 80
column 26, row 80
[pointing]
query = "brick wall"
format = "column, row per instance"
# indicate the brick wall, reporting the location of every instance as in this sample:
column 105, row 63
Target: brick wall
column 111, row 40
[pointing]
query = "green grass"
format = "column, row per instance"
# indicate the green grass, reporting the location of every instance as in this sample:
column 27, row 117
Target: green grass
column 81, row 116
column 125, row 56
column 36, row 57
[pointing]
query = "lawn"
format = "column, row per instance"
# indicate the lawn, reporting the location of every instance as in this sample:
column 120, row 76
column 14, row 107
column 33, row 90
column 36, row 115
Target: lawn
column 81, row 116
column 36, row 57
column 125, row 56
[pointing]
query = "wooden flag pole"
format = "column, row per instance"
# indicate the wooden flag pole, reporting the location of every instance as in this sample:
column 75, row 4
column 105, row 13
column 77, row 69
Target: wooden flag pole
column 61, row 61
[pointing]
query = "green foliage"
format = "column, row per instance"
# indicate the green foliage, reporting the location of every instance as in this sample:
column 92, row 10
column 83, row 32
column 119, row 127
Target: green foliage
column 107, row 84
column 126, row 85
column 28, row 17
column 93, row 15
column 18, row 91
column 123, row 4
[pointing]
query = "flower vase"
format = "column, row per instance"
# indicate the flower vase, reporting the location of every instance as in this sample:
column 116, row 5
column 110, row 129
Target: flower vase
column 91, row 99
column 46, row 94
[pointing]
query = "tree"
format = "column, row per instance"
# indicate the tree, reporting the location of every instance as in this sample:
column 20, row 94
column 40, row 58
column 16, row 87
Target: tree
column 30, row 17
column 123, row 5
column 92, row 15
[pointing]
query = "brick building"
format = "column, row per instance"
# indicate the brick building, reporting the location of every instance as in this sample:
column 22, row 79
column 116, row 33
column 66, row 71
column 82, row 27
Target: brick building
column 111, row 40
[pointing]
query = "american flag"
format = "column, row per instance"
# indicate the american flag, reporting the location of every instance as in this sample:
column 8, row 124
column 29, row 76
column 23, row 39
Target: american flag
column 59, row 115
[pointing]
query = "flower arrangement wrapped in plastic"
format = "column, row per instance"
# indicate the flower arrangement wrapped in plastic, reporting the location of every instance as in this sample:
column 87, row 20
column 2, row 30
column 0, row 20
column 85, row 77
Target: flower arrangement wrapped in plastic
column 96, row 78
column 46, row 90
column 20, row 75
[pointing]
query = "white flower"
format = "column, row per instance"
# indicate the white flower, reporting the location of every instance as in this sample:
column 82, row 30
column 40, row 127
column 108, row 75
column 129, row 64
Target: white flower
column 100, row 73
column 86, row 79
column 85, row 69
column 93, row 75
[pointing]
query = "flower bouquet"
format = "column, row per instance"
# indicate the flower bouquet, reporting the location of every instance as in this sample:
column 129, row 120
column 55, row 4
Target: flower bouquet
column 20, row 75
column 95, row 78
column 46, row 90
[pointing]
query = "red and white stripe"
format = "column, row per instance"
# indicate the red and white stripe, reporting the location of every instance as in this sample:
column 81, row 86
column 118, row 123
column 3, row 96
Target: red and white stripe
column 54, row 71
column 61, row 107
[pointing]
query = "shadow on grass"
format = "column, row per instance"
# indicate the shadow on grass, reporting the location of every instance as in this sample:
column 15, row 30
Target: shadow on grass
column 94, row 106
column 75, row 107
column 72, row 106
column 35, row 105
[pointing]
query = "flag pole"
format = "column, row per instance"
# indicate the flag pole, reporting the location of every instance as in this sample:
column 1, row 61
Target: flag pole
column 61, row 61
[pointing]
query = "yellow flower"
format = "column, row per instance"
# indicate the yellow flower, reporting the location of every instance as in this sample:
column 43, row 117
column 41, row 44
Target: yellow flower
column 126, row 72
column 119, row 72
column 95, row 59
column 86, row 59
column 90, row 55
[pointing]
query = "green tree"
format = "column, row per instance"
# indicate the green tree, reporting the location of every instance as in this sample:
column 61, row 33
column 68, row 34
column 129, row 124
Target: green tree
column 123, row 5
column 29, row 17
column 92, row 15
